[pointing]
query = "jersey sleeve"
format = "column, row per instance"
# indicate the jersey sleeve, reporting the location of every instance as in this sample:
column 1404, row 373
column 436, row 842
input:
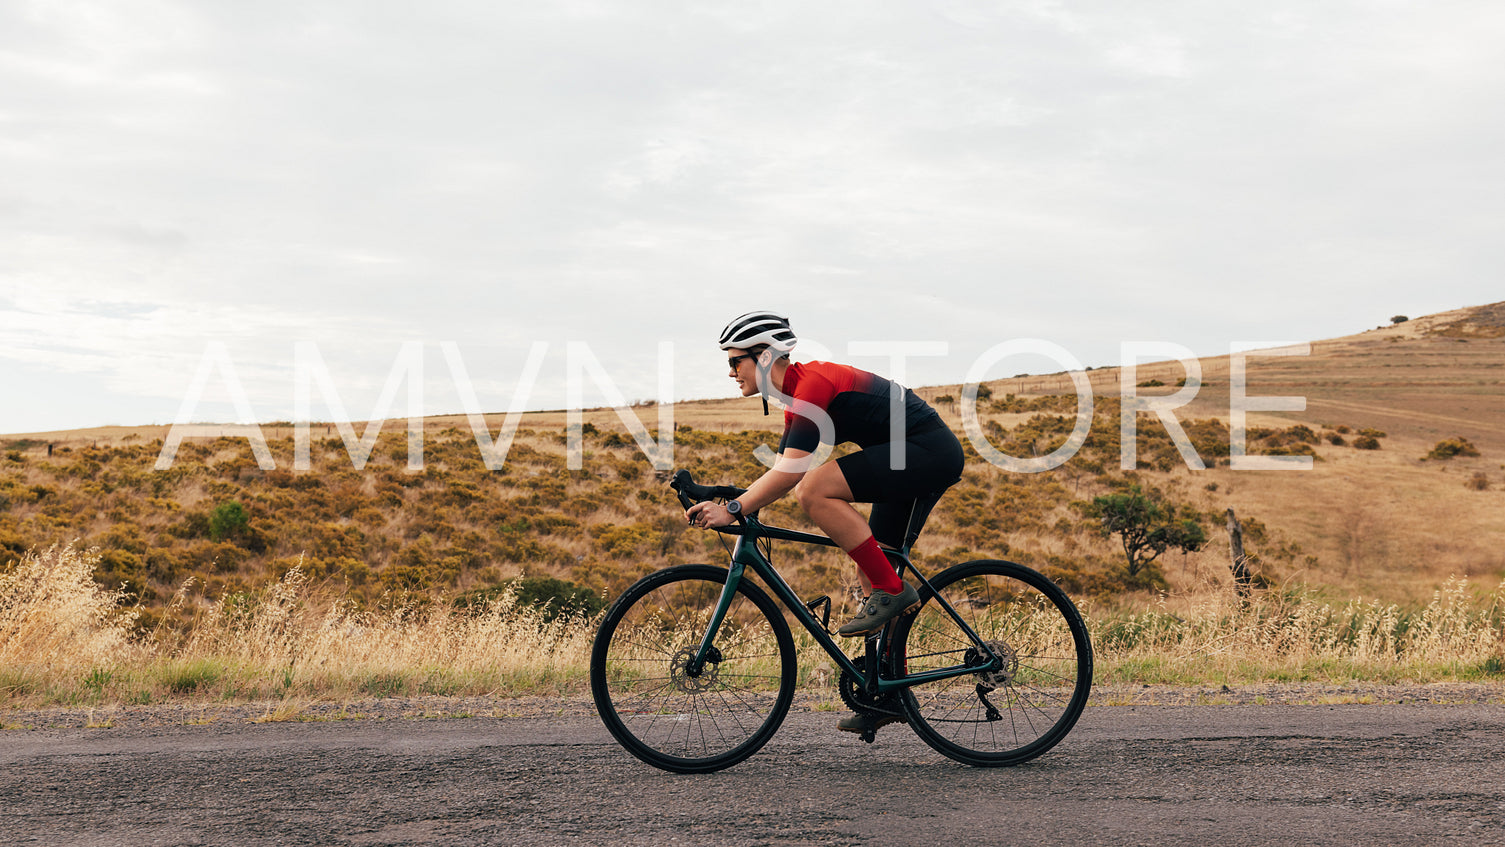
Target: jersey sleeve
column 814, row 390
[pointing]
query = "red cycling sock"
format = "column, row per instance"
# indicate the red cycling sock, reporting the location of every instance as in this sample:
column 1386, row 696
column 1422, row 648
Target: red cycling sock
column 871, row 560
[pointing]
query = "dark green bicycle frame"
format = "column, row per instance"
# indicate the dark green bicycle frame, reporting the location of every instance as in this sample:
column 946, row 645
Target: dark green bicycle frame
column 747, row 555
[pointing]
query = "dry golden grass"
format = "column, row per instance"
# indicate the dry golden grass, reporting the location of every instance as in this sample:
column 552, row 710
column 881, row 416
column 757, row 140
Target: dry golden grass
column 55, row 621
column 63, row 643
column 1385, row 524
column 1362, row 542
column 1280, row 636
column 63, row 640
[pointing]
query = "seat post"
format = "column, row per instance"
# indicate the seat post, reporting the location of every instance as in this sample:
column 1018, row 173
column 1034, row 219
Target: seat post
column 919, row 511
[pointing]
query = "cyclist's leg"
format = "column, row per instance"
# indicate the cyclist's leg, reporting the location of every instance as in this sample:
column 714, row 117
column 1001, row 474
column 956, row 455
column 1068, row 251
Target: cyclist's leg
column 889, row 521
column 897, row 523
column 932, row 462
column 827, row 498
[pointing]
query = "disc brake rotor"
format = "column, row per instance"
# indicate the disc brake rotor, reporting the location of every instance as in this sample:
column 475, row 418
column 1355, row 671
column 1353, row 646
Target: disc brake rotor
column 1005, row 673
column 679, row 671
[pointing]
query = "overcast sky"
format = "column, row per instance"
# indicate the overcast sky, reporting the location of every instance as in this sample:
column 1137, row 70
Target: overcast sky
column 360, row 175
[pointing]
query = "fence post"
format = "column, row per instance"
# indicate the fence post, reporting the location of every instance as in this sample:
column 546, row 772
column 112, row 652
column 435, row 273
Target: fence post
column 1242, row 580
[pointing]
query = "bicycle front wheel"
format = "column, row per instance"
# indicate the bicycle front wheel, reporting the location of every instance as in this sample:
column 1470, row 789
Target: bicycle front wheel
column 1009, row 714
column 671, row 714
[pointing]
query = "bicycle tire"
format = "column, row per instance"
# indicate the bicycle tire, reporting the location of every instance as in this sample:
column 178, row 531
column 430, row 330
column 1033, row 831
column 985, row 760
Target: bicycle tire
column 655, row 708
column 1039, row 694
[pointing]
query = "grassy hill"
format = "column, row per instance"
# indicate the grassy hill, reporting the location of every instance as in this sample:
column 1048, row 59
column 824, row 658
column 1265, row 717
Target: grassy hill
column 1386, row 523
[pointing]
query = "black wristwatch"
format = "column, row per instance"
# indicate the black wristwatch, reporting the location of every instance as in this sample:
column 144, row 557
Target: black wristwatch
column 734, row 508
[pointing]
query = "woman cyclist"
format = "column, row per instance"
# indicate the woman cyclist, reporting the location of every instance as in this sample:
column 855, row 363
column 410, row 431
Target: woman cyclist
column 829, row 403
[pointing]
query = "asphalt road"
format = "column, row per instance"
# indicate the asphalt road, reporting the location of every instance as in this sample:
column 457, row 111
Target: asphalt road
column 1156, row 775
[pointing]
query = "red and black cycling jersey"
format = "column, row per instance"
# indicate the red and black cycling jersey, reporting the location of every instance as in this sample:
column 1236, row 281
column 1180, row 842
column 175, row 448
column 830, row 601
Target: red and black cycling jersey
column 859, row 404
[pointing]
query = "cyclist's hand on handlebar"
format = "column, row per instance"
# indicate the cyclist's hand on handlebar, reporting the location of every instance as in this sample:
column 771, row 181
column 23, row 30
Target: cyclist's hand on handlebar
column 709, row 515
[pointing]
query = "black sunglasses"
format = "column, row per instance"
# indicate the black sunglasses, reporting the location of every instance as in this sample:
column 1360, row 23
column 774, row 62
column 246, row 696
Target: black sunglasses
column 734, row 361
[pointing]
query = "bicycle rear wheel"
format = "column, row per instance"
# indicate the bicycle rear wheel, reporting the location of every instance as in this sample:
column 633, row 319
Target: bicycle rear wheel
column 1014, row 713
column 663, row 711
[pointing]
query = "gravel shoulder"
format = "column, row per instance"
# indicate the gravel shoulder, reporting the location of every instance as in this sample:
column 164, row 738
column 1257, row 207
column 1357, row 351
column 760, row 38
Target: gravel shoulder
column 125, row 717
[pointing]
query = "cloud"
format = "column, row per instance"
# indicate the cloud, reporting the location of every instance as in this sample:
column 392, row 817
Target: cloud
column 362, row 174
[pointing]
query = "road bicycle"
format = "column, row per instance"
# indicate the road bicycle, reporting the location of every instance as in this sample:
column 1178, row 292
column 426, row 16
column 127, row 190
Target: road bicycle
column 693, row 668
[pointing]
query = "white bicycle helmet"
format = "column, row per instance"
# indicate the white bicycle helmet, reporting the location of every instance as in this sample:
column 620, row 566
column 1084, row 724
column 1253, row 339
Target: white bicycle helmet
column 759, row 329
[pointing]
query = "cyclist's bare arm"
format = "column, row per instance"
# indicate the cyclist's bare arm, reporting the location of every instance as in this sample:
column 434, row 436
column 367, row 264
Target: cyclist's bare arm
column 773, row 484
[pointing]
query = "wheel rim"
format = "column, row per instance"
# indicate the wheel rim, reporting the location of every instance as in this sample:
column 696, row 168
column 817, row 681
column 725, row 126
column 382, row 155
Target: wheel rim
column 672, row 714
column 1020, row 706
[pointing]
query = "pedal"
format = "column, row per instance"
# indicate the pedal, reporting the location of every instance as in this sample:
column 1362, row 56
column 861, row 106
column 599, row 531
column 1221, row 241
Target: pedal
column 871, row 723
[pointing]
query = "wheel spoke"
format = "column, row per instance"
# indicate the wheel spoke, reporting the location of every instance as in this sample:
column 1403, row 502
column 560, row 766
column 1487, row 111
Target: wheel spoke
column 1038, row 689
column 647, row 694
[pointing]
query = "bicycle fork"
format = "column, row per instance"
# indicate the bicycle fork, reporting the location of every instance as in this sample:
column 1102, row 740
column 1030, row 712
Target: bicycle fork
column 707, row 651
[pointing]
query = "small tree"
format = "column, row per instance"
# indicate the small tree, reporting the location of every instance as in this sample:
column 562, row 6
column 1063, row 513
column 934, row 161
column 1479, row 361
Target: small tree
column 1146, row 528
column 228, row 519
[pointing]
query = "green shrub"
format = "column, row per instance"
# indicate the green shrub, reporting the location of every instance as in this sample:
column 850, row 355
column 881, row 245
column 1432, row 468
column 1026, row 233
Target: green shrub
column 121, row 569
column 621, row 542
column 404, row 578
column 1451, row 447
column 227, row 520
column 553, row 597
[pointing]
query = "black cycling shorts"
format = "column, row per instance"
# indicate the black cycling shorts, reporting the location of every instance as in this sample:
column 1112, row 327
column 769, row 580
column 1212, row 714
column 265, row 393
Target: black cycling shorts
column 902, row 499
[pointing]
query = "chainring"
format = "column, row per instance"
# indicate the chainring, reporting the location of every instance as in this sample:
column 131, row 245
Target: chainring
column 860, row 701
